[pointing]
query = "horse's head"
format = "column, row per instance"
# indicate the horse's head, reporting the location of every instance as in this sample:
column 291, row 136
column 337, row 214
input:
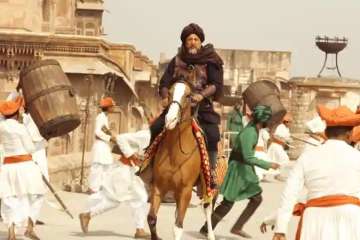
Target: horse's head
column 180, row 99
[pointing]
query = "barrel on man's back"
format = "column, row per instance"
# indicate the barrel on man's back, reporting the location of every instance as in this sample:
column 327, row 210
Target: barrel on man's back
column 50, row 98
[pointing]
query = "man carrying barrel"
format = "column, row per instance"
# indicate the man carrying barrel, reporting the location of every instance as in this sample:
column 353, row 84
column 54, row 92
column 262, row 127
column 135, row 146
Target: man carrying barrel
column 21, row 186
column 102, row 158
column 39, row 155
column 241, row 182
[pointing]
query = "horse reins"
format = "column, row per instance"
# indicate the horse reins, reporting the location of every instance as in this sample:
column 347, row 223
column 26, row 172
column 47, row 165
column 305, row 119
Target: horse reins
column 179, row 131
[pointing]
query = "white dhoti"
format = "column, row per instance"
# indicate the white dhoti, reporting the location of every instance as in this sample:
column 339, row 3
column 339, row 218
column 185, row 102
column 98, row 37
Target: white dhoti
column 102, row 161
column 22, row 191
column 40, row 158
column 331, row 223
column 19, row 209
column 121, row 185
column 98, row 172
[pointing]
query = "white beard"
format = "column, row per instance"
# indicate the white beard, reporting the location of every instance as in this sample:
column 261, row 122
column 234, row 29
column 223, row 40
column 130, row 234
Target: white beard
column 193, row 51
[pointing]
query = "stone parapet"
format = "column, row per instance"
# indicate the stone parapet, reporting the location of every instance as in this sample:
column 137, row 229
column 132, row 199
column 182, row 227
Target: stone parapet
column 65, row 170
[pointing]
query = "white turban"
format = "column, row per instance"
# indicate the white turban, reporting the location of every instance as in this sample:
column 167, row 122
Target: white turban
column 316, row 125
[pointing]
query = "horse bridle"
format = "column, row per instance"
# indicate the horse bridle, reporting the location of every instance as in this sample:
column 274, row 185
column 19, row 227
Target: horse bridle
column 182, row 120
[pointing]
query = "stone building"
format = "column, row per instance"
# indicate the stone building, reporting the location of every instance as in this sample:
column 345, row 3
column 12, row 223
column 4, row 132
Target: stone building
column 242, row 67
column 70, row 32
column 307, row 92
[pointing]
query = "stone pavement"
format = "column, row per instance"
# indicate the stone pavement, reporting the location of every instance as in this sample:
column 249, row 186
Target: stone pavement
column 118, row 225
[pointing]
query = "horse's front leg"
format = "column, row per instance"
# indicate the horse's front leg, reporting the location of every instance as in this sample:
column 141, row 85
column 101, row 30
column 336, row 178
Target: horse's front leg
column 155, row 201
column 183, row 197
column 208, row 209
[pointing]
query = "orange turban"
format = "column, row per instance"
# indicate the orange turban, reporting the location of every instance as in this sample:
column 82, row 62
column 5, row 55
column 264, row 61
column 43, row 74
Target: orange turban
column 8, row 108
column 341, row 116
column 107, row 102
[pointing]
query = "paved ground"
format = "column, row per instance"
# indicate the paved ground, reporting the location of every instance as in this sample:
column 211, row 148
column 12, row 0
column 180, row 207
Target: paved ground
column 118, row 223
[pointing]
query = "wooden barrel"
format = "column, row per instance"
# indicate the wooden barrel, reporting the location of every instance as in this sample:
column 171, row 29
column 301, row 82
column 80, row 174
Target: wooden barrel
column 265, row 93
column 50, row 98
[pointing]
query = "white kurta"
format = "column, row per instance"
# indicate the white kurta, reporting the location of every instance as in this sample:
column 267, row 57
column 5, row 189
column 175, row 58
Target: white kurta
column 39, row 155
column 101, row 155
column 121, row 185
column 322, row 172
column 276, row 151
column 314, row 141
column 264, row 137
column 131, row 143
column 21, row 185
column 101, row 151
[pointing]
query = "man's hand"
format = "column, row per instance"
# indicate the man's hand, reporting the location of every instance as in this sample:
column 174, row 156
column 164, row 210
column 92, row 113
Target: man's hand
column 106, row 130
column 263, row 227
column 135, row 159
column 275, row 165
column 113, row 139
column 197, row 97
column 164, row 102
column 279, row 236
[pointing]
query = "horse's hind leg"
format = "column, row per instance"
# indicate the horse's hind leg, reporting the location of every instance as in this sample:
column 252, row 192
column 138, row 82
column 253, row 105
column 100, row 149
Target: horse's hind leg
column 183, row 198
column 155, row 201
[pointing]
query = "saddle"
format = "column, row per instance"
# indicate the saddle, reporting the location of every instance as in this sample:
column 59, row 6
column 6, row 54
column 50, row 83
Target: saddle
column 207, row 192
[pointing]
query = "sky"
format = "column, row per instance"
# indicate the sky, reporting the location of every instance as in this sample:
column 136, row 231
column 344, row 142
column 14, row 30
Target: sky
column 154, row 26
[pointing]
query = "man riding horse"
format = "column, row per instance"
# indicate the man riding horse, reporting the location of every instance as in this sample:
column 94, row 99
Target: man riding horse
column 202, row 67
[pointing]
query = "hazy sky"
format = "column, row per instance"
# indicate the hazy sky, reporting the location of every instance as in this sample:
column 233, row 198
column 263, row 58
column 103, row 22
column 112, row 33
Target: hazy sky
column 154, row 26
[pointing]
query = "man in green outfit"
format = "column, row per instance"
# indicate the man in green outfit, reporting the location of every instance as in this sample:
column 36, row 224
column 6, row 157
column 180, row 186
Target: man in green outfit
column 241, row 181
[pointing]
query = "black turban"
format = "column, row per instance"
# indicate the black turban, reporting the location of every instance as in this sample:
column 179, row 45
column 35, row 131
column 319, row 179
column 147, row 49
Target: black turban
column 192, row 28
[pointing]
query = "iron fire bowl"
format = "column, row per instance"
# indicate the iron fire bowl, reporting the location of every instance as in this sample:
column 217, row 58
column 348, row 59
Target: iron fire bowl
column 331, row 45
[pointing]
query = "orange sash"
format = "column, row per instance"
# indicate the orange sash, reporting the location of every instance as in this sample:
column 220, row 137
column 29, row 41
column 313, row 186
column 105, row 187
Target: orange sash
column 17, row 159
column 131, row 161
column 278, row 141
column 260, row 149
column 326, row 201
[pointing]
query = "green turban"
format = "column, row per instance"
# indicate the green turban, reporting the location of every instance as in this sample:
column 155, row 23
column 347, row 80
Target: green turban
column 262, row 113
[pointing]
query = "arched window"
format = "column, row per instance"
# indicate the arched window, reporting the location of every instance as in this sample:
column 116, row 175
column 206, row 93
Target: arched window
column 90, row 29
column 79, row 28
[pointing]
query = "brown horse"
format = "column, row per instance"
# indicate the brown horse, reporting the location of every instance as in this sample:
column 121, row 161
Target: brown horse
column 177, row 163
